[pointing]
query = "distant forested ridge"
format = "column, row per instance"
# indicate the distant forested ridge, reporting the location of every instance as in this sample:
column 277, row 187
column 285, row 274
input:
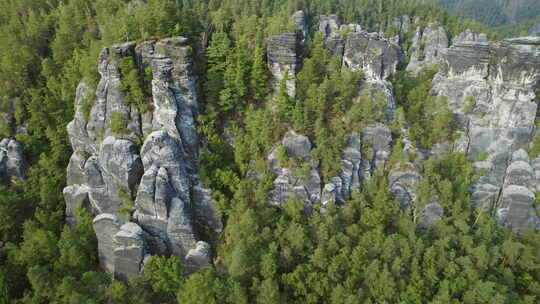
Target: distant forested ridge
column 494, row 12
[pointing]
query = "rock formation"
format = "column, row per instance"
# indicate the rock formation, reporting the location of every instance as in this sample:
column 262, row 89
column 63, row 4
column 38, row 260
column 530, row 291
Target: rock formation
column 491, row 89
column 426, row 47
column 283, row 60
column 121, row 246
column 296, row 172
column 375, row 56
column 11, row 159
column 140, row 162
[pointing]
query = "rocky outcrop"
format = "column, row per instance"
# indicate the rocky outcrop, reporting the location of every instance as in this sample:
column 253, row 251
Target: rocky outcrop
column 300, row 21
column 364, row 153
column 121, row 246
column 491, row 89
column 283, row 60
column 426, row 47
column 12, row 162
column 199, row 257
column 140, row 162
column 369, row 52
column 296, row 172
column 403, row 180
column 431, row 213
column 516, row 205
column 351, row 175
column 376, row 56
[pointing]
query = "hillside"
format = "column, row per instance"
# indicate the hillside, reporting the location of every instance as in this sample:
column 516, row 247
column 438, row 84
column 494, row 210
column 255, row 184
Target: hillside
column 280, row 151
column 494, row 12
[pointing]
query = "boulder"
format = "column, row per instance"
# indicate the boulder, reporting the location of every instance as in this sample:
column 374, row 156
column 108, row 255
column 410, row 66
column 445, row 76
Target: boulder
column 199, row 257
column 432, row 213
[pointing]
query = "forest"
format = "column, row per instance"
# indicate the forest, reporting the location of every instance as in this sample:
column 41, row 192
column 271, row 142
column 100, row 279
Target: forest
column 365, row 251
column 494, row 12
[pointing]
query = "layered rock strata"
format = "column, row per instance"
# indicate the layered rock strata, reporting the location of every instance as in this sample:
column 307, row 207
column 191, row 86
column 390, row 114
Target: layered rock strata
column 491, row 87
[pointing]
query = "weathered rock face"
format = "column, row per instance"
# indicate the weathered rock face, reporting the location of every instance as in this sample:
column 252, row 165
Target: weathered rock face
column 283, row 60
column 403, row 181
column 198, row 257
column 432, row 213
column 490, row 88
column 300, row 21
column 364, row 153
column 426, row 47
column 351, row 175
column 515, row 207
column 121, row 246
column 109, row 168
column 376, row 56
column 304, row 184
column 11, row 159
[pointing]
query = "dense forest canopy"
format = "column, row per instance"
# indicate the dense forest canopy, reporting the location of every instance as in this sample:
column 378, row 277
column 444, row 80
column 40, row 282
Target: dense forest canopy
column 367, row 251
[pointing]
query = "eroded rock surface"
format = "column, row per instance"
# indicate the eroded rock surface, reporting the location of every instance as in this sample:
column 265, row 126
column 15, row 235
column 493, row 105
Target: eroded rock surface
column 491, row 89
column 516, row 205
column 140, row 164
column 302, row 179
column 426, row 47
column 376, row 56
column 283, row 60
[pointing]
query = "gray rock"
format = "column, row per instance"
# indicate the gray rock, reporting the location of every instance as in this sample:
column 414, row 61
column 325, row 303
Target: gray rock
column 403, row 181
column 121, row 166
column 516, row 210
column 402, row 23
column 432, row 213
column 76, row 196
column 297, row 146
column 377, row 139
column 121, row 246
column 12, row 162
column 499, row 79
column 205, row 210
column 300, row 20
column 427, row 46
column 106, row 226
column 328, row 24
column 350, row 177
column 160, row 176
column 283, row 61
column 153, row 197
column 376, row 56
column 288, row 184
column 199, row 257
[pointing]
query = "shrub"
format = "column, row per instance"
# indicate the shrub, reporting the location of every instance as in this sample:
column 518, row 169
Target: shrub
column 119, row 124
